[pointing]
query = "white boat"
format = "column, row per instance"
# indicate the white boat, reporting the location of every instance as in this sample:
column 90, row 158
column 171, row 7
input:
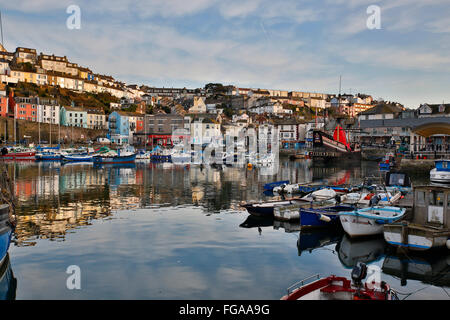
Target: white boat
column 369, row 221
column 320, row 195
column 441, row 174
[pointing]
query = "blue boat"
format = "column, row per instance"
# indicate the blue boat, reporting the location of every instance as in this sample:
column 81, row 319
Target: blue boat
column 48, row 156
column 322, row 217
column 77, row 158
column 270, row 186
column 6, row 231
column 114, row 159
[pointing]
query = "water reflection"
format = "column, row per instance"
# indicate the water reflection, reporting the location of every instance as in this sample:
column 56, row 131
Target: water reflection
column 168, row 231
column 8, row 283
column 430, row 269
column 367, row 250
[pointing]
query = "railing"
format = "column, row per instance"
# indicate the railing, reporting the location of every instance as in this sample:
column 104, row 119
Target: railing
column 301, row 283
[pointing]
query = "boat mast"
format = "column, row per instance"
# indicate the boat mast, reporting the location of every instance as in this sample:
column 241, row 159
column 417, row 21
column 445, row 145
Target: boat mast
column 1, row 28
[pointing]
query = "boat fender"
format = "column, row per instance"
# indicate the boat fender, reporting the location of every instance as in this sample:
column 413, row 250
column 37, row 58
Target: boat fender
column 324, row 218
column 448, row 243
column 381, row 221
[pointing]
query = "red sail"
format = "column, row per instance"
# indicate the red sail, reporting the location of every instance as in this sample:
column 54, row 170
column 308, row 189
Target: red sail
column 339, row 135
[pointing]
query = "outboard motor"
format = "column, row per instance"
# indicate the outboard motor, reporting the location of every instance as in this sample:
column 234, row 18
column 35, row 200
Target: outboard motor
column 359, row 273
column 374, row 200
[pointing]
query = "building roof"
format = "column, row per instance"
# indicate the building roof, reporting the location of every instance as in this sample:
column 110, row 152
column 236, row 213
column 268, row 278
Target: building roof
column 382, row 108
column 435, row 108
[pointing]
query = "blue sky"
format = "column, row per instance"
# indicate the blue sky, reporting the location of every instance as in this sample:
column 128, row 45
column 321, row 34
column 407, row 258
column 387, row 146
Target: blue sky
column 291, row 44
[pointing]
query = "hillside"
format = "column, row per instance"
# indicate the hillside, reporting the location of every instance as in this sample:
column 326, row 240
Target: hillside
column 66, row 96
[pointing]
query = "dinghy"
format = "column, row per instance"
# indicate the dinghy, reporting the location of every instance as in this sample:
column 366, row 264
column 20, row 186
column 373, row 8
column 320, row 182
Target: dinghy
column 340, row 288
column 369, row 221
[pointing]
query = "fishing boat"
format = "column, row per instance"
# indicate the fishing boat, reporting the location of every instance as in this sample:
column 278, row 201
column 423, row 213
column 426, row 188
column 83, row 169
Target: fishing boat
column 17, row 154
column 430, row 224
column 321, row 217
column 340, row 288
column 369, row 221
column 441, row 173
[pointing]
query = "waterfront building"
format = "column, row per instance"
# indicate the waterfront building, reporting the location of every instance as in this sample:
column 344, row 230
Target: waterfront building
column 159, row 129
column 119, row 127
column 48, row 111
column 96, row 119
column 73, row 116
column 25, row 108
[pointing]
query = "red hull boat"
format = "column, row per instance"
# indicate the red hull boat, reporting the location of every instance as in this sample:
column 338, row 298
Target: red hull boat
column 340, row 288
column 19, row 156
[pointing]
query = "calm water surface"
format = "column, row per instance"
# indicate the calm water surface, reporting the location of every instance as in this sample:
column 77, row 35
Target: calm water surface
column 158, row 231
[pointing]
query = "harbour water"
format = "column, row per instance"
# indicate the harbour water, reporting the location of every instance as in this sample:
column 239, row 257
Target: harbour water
column 159, row 231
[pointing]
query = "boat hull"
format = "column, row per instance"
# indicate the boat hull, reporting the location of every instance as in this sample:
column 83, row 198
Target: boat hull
column 19, row 156
column 114, row 159
column 321, row 217
column 439, row 176
column 6, row 231
column 76, row 158
column 369, row 221
column 358, row 226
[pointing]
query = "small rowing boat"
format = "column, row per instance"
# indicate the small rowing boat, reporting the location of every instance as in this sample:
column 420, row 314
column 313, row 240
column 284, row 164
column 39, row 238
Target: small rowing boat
column 369, row 221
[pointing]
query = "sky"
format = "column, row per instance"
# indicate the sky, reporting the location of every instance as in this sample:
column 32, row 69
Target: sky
column 295, row 45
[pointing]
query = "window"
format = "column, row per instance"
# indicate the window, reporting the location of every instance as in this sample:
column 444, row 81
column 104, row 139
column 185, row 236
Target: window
column 436, row 199
column 421, row 198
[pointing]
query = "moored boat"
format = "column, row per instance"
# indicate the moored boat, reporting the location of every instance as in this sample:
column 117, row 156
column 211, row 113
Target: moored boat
column 441, row 173
column 77, row 158
column 17, row 154
column 321, row 217
column 369, row 221
column 341, row 288
column 114, row 159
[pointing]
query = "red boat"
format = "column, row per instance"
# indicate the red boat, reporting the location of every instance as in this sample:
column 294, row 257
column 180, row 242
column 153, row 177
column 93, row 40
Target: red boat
column 19, row 156
column 340, row 288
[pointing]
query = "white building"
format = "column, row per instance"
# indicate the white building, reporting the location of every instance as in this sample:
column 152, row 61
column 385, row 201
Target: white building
column 48, row 111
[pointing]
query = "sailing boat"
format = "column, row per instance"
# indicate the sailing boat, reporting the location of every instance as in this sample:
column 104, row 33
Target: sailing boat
column 327, row 147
